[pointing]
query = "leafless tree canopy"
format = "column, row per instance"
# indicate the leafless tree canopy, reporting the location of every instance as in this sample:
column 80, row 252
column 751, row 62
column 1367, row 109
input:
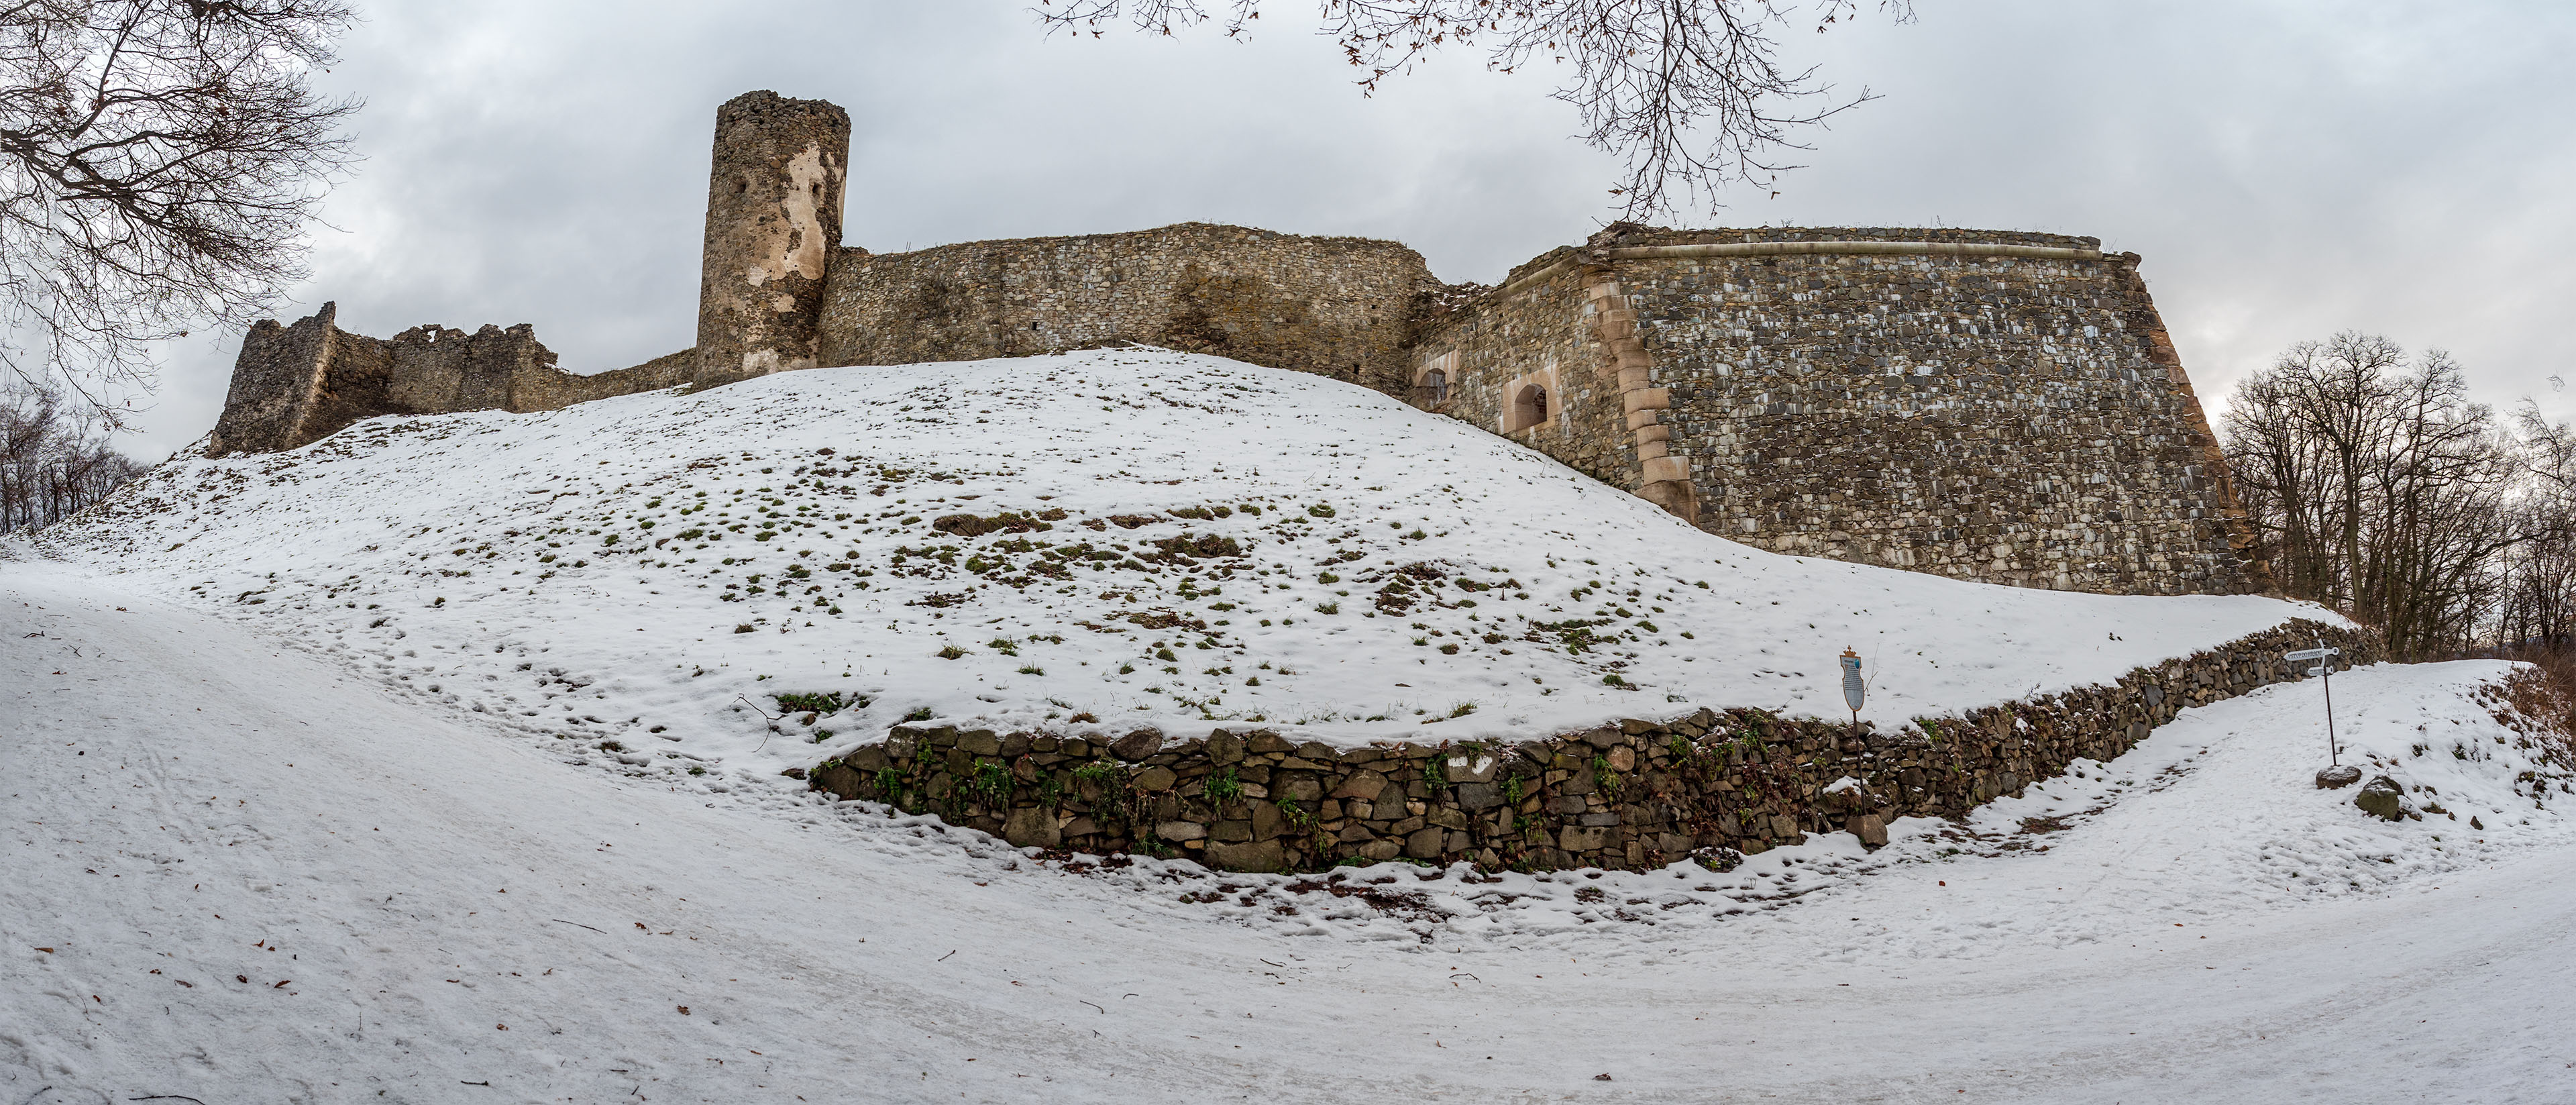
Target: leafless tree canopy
column 1689, row 94
column 2375, row 486
column 51, row 463
column 158, row 160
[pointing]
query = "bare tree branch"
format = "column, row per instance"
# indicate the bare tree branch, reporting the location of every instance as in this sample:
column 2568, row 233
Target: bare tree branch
column 1689, row 94
column 158, row 162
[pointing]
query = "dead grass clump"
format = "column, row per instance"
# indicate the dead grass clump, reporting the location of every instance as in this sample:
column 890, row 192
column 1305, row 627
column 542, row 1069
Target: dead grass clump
column 2543, row 694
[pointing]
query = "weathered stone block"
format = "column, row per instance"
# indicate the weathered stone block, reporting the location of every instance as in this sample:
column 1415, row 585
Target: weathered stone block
column 1138, row 745
column 1575, row 838
column 1224, row 748
column 1364, row 784
column 1264, row 855
column 1032, row 827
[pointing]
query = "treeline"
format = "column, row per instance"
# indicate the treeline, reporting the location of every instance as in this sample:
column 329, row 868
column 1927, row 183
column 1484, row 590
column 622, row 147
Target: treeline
column 2375, row 486
column 51, row 464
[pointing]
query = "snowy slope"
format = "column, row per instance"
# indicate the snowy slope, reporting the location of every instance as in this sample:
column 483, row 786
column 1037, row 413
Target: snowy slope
column 1181, row 540
column 237, row 872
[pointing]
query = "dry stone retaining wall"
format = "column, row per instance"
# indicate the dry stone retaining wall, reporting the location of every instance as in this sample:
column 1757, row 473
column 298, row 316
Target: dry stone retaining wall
column 1637, row 795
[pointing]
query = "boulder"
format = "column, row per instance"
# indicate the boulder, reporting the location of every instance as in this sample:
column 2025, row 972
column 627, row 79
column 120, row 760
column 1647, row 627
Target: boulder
column 2382, row 798
column 1869, row 828
column 2338, row 777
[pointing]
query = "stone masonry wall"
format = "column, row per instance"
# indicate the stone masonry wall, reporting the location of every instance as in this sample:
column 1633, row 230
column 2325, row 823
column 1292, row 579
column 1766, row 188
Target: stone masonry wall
column 1637, row 795
column 1534, row 330
column 1340, row 307
column 2009, row 419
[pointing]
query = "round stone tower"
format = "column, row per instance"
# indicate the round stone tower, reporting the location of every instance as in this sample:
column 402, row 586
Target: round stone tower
column 773, row 219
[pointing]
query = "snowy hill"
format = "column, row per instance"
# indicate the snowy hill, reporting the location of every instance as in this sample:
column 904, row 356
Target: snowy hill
column 1093, row 541
column 240, row 873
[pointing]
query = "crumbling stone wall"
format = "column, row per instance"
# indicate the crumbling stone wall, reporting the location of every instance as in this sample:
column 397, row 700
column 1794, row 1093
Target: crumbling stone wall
column 1997, row 406
column 294, row 385
column 1637, row 795
column 1339, row 307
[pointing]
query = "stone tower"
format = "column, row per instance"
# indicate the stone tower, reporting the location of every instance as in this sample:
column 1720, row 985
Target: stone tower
column 773, row 219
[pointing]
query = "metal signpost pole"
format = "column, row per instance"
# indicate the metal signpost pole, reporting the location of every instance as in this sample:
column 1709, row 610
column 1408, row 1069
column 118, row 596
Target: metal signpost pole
column 2324, row 656
column 2325, row 669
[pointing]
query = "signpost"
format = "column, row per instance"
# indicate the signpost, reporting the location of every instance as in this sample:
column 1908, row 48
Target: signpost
column 1854, row 690
column 2325, row 665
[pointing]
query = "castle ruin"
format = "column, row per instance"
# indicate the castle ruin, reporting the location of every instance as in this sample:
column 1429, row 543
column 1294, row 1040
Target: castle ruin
column 1995, row 406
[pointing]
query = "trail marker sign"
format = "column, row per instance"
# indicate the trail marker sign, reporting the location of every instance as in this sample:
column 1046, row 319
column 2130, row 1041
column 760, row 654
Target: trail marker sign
column 1854, row 690
column 2325, row 655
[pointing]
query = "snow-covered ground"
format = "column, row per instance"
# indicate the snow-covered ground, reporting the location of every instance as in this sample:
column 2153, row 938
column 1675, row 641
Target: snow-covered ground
column 238, row 870
column 1183, row 541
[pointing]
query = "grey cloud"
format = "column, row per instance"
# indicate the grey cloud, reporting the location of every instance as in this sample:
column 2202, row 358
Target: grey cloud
column 2286, row 169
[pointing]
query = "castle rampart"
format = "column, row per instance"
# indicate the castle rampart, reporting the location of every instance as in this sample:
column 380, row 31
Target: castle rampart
column 1339, row 307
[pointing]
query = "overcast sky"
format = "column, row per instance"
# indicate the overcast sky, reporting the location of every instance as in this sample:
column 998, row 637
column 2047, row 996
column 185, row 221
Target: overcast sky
column 2286, row 169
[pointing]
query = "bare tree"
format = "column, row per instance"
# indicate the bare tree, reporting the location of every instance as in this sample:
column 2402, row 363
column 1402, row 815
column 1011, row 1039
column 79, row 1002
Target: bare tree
column 51, row 464
column 1691, row 95
column 158, row 161
column 2537, row 614
column 2381, row 490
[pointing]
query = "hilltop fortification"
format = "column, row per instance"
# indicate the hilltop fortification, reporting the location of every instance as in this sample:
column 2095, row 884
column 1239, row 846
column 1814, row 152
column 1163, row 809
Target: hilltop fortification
column 1988, row 405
